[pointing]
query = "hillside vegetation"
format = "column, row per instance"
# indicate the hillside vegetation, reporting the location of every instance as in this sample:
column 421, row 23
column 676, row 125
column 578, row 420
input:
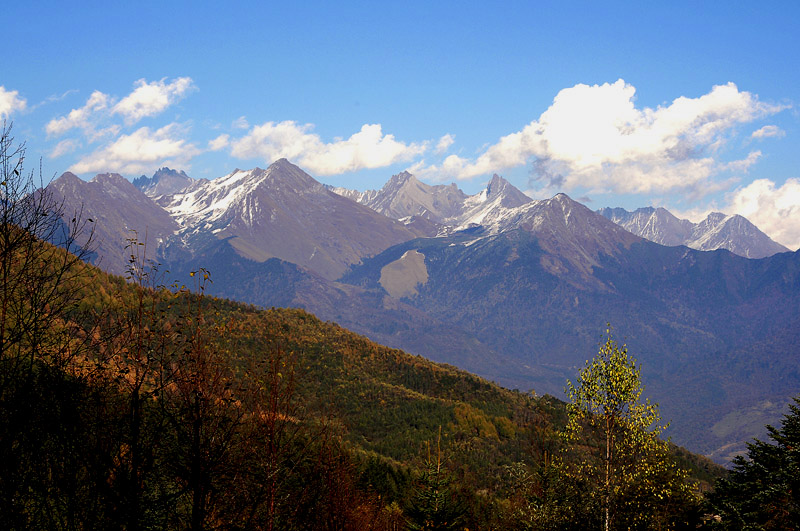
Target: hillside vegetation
column 135, row 403
column 169, row 409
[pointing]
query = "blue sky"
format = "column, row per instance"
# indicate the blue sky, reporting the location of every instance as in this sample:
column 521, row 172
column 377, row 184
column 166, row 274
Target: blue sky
column 688, row 105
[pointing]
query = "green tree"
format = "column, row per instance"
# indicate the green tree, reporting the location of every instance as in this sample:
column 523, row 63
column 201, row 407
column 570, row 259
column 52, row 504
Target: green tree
column 763, row 489
column 634, row 480
column 546, row 497
column 434, row 505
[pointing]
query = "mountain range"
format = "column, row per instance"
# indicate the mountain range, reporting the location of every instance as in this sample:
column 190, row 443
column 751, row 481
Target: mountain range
column 513, row 289
column 718, row 231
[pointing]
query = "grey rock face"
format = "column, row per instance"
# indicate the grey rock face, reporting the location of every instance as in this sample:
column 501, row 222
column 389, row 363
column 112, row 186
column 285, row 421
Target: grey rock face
column 718, row 231
column 120, row 211
column 282, row 212
column 444, row 207
column 165, row 181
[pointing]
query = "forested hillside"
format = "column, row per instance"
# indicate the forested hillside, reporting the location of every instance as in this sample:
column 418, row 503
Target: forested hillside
column 137, row 403
column 161, row 409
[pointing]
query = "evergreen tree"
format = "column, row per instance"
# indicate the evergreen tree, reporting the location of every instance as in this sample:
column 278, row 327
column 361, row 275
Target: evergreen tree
column 763, row 489
column 434, row 506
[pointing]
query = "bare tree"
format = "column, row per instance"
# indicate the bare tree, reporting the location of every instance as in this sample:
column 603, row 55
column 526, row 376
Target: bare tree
column 41, row 278
column 38, row 281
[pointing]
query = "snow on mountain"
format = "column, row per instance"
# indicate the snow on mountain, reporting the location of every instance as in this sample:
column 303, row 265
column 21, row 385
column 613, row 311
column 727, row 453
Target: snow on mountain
column 415, row 203
column 285, row 213
column 655, row 224
column 164, row 181
column 405, row 198
column 490, row 207
column 736, row 234
column 570, row 232
column 353, row 195
column 718, row 231
column 199, row 208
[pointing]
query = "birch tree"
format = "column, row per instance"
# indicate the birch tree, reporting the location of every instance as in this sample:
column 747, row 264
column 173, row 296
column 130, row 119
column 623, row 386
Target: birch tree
column 635, row 481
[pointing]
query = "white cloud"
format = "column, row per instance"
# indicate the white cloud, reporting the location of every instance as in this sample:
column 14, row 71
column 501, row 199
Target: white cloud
column 773, row 209
column 218, row 143
column 595, row 137
column 85, row 118
column 744, row 164
column 444, row 143
column 10, row 102
column 768, row 131
column 368, row 148
column 64, row 147
column 149, row 99
column 140, row 152
column 93, row 119
column 240, row 123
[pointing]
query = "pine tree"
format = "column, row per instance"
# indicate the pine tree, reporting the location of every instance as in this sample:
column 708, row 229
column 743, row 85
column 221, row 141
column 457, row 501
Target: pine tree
column 434, row 506
column 763, row 489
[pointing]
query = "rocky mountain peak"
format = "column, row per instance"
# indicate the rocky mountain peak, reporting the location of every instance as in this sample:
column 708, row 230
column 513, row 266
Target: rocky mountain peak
column 165, row 181
column 283, row 173
column 68, row 176
column 496, row 185
column 510, row 196
column 402, row 178
column 67, row 180
column 165, row 171
column 715, row 218
column 282, row 162
column 110, row 178
column 717, row 231
column 562, row 199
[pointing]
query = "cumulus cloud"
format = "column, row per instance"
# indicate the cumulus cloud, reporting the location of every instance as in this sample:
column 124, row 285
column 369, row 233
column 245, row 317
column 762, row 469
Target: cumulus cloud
column 140, row 152
column 595, row 137
column 222, row 141
column 240, row 123
column 93, row 119
column 10, row 102
column 773, row 209
column 768, row 131
column 85, row 118
column 444, row 143
column 368, row 148
column 149, row 99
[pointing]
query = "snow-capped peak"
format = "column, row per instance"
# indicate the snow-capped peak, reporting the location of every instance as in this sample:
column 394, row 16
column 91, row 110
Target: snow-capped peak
column 718, row 231
column 211, row 200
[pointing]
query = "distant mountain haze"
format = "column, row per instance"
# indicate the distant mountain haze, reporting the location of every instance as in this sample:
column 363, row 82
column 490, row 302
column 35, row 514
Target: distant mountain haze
column 718, row 231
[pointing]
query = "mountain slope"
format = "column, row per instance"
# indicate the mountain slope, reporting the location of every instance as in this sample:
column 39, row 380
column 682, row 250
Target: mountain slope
column 384, row 319
column 117, row 208
column 542, row 289
column 519, row 295
column 446, row 207
column 287, row 417
column 163, row 182
column 281, row 212
column 718, row 231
